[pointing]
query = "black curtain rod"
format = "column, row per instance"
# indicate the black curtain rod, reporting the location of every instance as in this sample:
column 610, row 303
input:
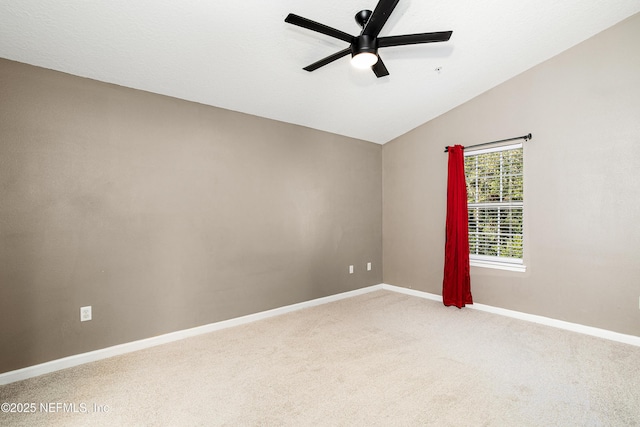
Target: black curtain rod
column 525, row 137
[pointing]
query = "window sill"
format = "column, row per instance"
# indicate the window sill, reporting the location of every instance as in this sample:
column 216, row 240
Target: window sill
column 521, row 268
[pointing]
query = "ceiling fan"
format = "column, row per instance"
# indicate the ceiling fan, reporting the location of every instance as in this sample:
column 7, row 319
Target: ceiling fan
column 364, row 48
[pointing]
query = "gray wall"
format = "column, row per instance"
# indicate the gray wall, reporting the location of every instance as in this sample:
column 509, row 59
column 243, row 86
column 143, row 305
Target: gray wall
column 164, row 214
column 582, row 186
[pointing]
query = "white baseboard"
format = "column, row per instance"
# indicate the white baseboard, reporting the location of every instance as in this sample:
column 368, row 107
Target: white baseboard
column 92, row 356
column 561, row 324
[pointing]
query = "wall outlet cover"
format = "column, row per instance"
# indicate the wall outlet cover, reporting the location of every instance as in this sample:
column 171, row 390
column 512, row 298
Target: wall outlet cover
column 85, row 313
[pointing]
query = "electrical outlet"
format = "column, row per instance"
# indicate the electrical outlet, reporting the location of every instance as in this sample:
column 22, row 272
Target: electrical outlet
column 368, row 266
column 85, row 313
column 351, row 269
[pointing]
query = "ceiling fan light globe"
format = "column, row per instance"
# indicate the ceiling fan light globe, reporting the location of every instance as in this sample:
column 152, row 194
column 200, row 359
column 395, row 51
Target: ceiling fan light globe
column 364, row 60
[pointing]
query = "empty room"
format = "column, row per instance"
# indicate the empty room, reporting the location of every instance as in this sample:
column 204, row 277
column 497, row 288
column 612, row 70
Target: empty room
column 362, row 212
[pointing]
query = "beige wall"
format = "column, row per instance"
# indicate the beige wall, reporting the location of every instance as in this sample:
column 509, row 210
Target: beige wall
column 164, row 214
column 582, row 186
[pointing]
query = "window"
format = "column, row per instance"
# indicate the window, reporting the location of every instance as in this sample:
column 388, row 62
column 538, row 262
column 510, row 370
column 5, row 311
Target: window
column 495, row 201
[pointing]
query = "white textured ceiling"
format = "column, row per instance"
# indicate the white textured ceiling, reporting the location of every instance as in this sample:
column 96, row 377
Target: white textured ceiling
column 241, row 55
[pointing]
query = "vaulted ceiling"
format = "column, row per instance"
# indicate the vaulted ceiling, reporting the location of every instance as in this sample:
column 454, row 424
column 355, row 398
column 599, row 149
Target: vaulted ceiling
column 242, row 56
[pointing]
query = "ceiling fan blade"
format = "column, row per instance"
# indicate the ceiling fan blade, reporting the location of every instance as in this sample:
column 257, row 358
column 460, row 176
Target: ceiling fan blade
column 316, row 26
column 441, row 36
column 379, row 17
column 379, row 68
column 328, row 60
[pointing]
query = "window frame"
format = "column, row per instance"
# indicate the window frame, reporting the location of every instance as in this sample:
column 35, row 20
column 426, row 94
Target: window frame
column 497, row 262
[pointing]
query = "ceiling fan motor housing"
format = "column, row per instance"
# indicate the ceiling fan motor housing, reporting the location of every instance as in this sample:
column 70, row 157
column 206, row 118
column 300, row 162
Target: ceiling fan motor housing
column 364, row 43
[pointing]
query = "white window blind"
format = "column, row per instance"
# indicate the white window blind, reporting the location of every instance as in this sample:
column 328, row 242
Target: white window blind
column 495, row 202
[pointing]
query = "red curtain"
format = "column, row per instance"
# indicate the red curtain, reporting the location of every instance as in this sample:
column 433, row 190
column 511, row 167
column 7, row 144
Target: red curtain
column 456, row 286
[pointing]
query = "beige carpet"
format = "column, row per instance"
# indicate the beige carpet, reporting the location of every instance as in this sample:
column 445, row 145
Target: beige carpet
column 378, row 359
